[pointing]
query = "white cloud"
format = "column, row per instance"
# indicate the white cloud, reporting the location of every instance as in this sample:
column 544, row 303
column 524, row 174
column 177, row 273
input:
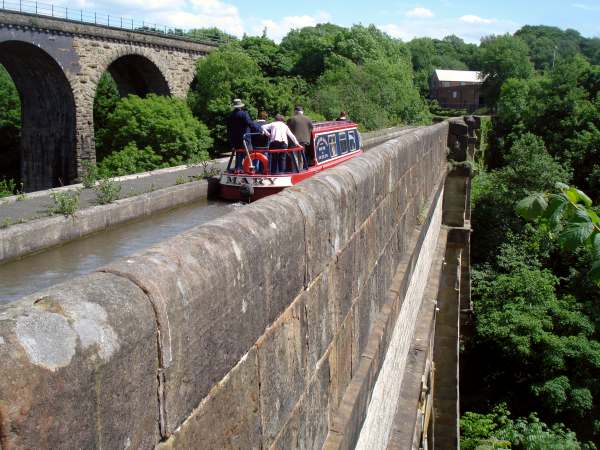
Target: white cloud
column 419, row 12
column 276, row 30
column 586, row 7
column 183, row 14
column 440, row 28
column 476, row 19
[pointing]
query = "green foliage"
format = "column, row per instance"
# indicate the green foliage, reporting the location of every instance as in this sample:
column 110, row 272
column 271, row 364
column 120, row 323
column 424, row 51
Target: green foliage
column 107, row 191
column 526, row 168
column 561, row 106
column 376, row 94
column 10, row 104
column 7, row 187
column 162, row 127
column 10, row 126
column 90, row 174
column 267, row 54
column 210, row 34
column 570, row 215
column 308, row 47
column 66, row 202
column 497, row 430
column 501, row 58
column 546, row 44
column 229, row 73
column 130, row 160
column 106, row 100
column 450, row 53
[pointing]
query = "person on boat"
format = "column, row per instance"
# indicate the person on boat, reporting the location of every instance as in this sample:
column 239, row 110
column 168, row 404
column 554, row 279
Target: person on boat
column 239, row 123
column 302, row 128
column 279, row 137
column 342, row 117
column 260, row 141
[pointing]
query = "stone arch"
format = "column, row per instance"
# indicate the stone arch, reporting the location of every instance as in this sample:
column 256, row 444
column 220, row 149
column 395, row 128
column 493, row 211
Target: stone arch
column 138, row 71
column 136, row 74
column 48, row 130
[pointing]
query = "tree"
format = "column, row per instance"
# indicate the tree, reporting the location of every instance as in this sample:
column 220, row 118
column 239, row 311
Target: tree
column 501, row 58
column 163, row 127
column 526, row 168
column 570, row 216
column 497, row 430
column 450, row 53
column 547, row 44
column 376, row 94
column 563, row 107
column 591, row 49
column 210, row 34
column 308, row 48
column 267, row 54
column 10, row 127
column 229, row 73
column 105, row 101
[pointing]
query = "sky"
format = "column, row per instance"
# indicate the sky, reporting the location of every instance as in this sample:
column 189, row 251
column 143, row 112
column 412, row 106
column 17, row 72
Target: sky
column 467, row 19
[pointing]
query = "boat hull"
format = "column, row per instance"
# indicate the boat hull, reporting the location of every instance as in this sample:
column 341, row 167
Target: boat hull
column 235, row 186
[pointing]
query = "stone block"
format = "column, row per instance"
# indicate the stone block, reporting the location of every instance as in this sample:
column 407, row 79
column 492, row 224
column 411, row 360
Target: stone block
column 229, row 417
column 308, row 426
column 321, row 320
column 282, row 362
column 216, row 288
column 344, row 284
column 79, row 367
column 362, row 171
column 340, row 362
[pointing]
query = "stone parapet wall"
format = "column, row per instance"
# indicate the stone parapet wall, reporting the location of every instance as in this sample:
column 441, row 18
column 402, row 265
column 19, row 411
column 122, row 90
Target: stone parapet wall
column 250, row 331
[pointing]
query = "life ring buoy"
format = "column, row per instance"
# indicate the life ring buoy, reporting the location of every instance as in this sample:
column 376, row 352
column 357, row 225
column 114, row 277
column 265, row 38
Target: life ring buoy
column 247, row 164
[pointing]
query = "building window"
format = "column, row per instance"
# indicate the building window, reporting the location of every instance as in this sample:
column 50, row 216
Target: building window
column 454, row 94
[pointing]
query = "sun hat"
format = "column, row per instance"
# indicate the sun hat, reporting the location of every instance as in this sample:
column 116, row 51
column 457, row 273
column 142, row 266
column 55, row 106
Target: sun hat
column 237, row 103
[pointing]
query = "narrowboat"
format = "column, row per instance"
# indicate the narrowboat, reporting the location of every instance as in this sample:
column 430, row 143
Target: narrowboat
column 263, row 172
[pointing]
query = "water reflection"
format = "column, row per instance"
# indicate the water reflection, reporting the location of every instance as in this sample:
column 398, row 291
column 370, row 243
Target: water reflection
column 59, row 264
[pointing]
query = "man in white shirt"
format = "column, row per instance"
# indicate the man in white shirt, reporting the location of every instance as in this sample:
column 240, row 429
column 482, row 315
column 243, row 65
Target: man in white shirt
column 279, row 138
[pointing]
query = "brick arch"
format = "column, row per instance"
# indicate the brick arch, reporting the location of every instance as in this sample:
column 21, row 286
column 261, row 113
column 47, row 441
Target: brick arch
column 95, row 58
column 137, row 70
column 48, row 146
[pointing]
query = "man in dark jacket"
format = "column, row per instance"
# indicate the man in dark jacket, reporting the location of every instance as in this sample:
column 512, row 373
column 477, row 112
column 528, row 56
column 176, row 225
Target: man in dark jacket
column 239, row 123
column 302, row 128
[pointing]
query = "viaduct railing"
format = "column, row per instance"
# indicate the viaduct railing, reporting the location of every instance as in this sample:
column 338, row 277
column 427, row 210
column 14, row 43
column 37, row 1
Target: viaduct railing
column 109, row 21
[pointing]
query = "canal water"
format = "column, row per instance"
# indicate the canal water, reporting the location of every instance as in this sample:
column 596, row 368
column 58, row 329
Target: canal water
column 30, row 274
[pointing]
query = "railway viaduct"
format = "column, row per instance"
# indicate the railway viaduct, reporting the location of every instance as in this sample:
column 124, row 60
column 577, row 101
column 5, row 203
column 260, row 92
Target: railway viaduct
column 327, row 316
column 56, row 65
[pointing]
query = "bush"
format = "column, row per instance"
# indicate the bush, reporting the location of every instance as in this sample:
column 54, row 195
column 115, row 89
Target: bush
column 377, row 94
column 130, row 160
column 7, row 187
column 107, row 191
column 498, row 431
column 90, row 174
column 66, row 203
column 162, row 127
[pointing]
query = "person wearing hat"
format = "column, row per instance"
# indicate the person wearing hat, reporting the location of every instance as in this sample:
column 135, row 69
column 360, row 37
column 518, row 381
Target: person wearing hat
column 302, row 128
column 239, row 123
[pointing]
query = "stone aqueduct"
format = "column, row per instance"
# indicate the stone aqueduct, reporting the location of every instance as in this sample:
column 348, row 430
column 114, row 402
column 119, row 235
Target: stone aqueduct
column 56, row 66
